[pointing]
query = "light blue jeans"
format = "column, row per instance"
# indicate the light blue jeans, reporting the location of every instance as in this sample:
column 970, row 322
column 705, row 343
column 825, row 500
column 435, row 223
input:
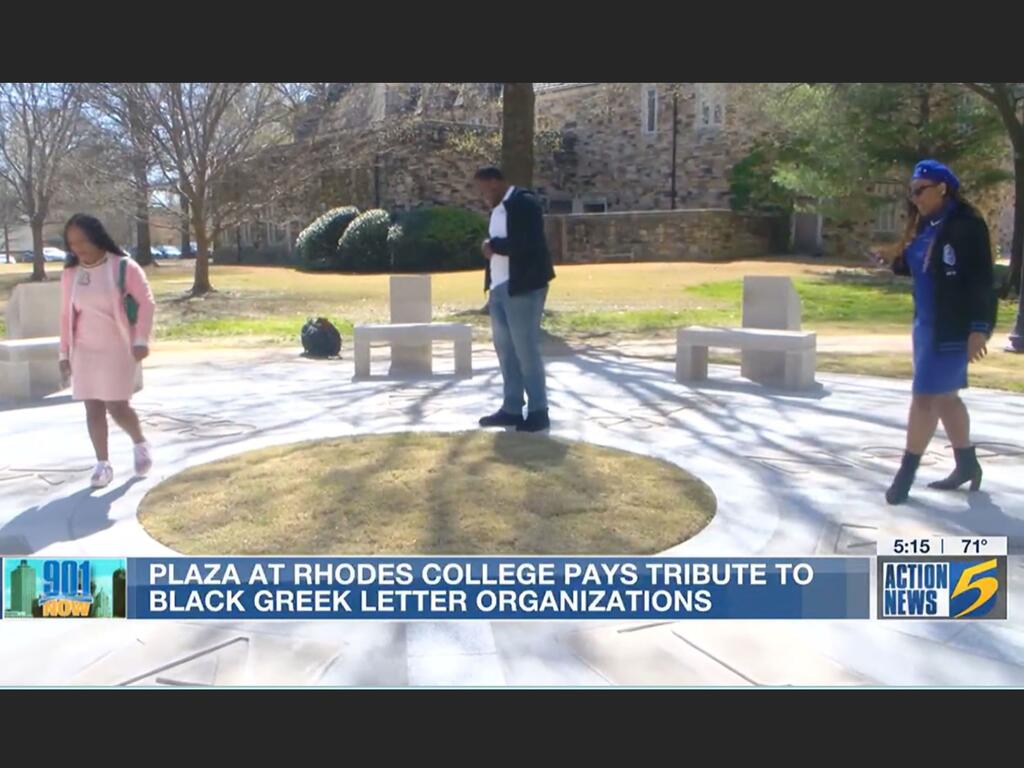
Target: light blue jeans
column 515, row 327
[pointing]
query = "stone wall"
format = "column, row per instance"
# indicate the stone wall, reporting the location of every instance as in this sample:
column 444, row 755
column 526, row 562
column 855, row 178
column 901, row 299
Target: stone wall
column 688, row 235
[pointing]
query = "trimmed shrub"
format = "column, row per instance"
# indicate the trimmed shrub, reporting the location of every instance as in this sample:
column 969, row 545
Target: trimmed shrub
column 364, row 245
column 437, row 239
column 317, row 244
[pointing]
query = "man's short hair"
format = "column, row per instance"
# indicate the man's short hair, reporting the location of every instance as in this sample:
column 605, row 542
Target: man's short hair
column 488, row 173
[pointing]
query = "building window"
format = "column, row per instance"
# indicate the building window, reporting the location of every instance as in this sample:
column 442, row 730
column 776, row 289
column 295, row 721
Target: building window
column 887, row 213
column 595, row 206
column 650, row 110
column 710, row 106
column 559, row 206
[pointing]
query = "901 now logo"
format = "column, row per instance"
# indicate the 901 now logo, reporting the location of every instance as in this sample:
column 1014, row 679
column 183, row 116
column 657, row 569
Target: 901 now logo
column 942, row 588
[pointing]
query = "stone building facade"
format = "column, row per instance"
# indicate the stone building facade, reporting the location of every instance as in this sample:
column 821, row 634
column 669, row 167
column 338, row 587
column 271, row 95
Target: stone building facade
column 621, row 136
column 610, row 148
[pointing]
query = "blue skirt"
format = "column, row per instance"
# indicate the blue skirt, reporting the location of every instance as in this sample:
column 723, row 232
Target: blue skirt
column 937, row 372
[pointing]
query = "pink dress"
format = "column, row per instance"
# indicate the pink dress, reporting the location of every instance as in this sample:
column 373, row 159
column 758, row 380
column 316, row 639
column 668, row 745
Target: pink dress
column 99, row 337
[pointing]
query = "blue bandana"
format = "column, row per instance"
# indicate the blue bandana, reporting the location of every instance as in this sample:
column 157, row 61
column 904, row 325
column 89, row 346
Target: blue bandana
column 935, row 171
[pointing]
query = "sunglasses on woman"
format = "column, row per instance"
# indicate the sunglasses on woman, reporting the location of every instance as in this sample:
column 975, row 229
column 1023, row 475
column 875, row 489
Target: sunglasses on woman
column 916, row 192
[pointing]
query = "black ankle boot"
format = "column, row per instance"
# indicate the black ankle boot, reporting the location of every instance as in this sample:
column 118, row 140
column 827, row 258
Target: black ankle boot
column 501, row 418
column 536, row 421
column 899, row 491
column 967, row 469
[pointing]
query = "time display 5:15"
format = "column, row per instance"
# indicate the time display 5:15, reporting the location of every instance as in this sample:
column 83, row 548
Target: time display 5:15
column 911, row 546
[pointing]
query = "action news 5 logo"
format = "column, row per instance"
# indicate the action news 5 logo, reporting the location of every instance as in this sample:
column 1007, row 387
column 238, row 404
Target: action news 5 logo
column 64, row 588
column 942, row 587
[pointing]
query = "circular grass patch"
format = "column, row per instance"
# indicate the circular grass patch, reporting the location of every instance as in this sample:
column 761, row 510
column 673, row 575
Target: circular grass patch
column 409, row 493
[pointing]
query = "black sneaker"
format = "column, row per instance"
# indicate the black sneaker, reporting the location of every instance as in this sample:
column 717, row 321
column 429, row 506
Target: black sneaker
column 536, row 421
column 501, row 419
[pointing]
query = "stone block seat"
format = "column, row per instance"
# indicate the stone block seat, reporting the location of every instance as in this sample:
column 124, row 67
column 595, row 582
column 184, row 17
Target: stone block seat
column 797, row 348
column 29, row 367
column 414, row 336
column 411, row 333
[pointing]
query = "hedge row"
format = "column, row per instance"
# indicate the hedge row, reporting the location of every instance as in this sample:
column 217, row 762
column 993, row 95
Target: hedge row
column 421, row 240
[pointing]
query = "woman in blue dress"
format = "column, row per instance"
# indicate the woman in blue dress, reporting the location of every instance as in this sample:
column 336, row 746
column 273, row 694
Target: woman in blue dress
column 946, row 251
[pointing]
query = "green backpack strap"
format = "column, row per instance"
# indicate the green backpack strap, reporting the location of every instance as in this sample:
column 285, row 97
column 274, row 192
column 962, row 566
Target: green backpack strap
column 131, row 306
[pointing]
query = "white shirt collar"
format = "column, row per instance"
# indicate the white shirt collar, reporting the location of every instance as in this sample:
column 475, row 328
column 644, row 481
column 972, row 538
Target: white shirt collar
column 508, row 194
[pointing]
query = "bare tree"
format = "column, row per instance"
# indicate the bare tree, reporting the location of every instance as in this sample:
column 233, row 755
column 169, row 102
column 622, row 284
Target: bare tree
column 279, row 181
column 118, row 109
column 200, row 132
column 39, row 128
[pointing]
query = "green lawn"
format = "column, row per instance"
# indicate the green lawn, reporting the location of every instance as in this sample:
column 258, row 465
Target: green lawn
column 271, row 329
column 845, row 300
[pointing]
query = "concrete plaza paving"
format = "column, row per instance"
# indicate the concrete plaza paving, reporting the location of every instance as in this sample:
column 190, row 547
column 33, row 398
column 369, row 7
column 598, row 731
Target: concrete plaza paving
column 794, row 474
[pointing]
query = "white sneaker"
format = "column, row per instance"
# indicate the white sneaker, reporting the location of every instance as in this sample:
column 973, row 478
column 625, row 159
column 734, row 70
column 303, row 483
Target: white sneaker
column 143, row 459
column 102, row 475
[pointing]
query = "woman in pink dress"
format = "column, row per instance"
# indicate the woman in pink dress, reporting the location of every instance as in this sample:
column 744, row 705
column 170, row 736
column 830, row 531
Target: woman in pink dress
column 101, row 347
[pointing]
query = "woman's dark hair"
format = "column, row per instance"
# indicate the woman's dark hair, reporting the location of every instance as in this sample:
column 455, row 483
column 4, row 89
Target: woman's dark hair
column 94, row 231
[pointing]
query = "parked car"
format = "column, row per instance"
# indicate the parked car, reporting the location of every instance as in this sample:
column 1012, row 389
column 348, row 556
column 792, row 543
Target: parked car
column 134, row 251
column 166, row 252
column 49, row 254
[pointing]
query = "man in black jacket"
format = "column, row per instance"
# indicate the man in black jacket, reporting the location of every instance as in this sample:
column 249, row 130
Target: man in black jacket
column 517, row 275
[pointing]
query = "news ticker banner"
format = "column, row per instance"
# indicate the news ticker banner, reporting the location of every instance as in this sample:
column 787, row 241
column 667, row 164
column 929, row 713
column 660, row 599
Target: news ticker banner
column 914, row 578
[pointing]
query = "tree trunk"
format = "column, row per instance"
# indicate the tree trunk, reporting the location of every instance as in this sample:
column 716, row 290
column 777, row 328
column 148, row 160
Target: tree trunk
column 7, row 243
column 1017, row 243
column 38, row 263
column 517, row 118
column 1015, row 279
column 138, row 130
column 201, row 283
column 186, row 240
column 143, row 251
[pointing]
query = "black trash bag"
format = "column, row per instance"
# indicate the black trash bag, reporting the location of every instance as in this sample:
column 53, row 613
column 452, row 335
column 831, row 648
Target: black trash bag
column 320, row 338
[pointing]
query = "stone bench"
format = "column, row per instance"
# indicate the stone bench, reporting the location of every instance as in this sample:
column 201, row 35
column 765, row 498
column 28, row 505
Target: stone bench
column 29, row 367
column 414, row 335
column 797, row 347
